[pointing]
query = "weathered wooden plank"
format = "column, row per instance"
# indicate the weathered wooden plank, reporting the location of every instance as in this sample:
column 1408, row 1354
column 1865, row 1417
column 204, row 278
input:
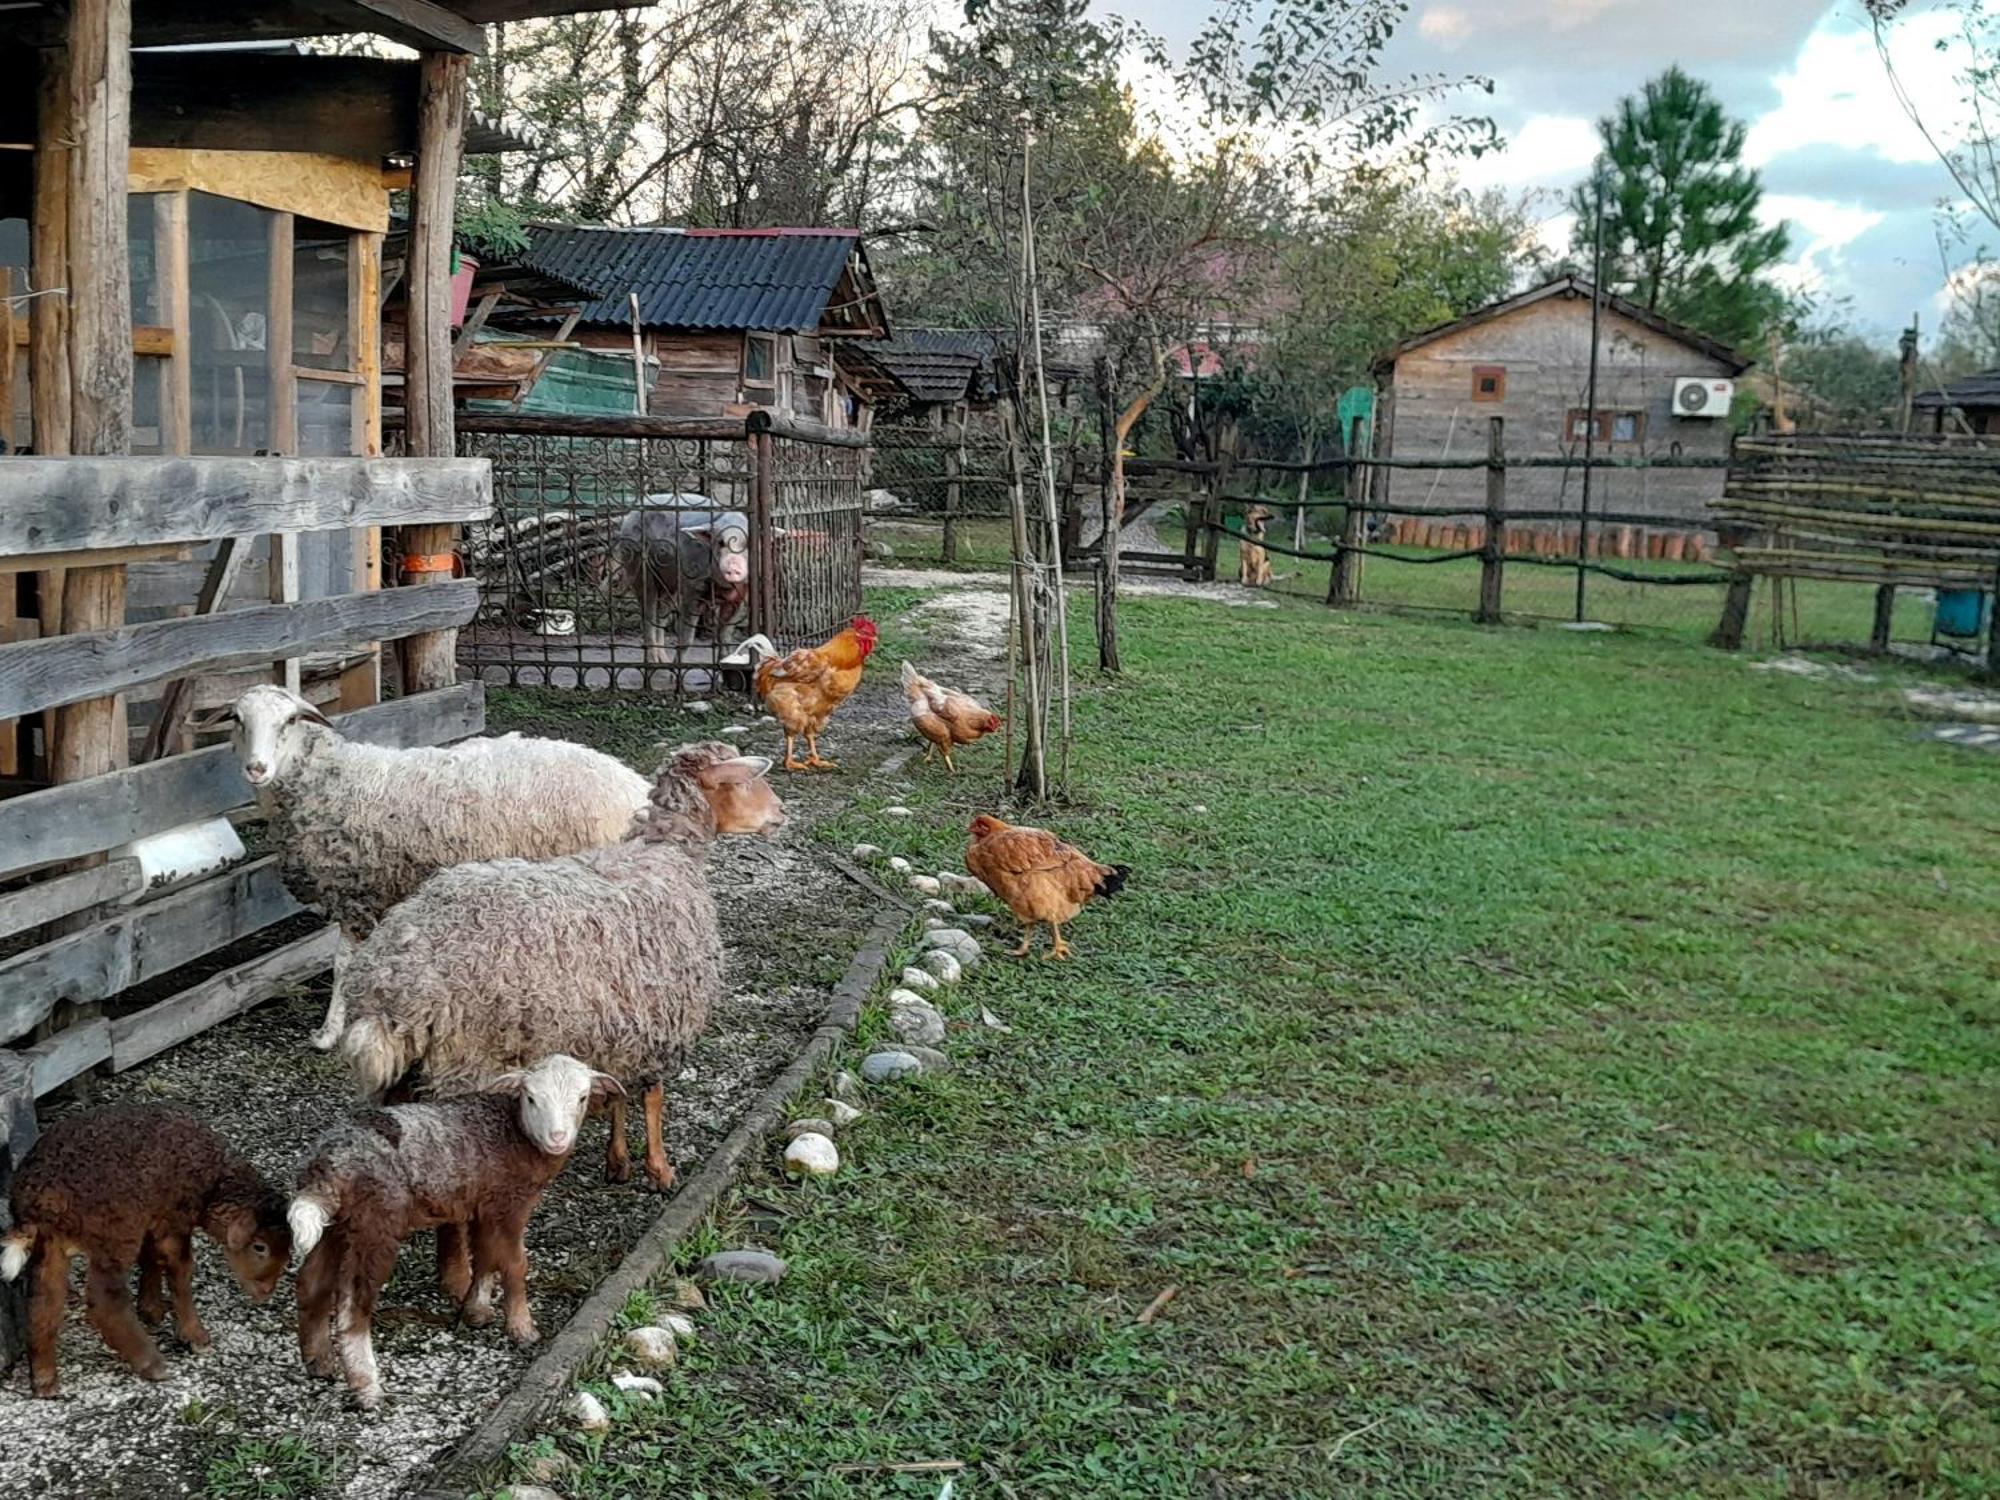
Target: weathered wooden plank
column 47, row 900
column 67, row 821
column 145, row 1033
column 73, row 1050
column 60, row 505
column 45, row 673
column 139, row 943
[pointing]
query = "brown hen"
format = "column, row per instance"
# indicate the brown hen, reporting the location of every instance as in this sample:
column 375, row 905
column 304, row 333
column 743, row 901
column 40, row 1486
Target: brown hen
column 1038, row 876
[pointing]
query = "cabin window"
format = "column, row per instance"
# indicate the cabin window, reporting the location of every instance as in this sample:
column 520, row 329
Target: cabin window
column 1489, row 382
column 229, row 305
column 322, row 280
column 760, row 360
column 1612, row 426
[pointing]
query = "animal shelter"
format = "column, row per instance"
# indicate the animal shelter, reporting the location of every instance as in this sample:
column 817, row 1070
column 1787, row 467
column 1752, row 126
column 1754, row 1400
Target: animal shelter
column 193, row 495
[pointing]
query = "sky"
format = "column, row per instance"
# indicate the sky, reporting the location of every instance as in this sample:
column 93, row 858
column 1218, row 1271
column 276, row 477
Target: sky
column 1839, row 159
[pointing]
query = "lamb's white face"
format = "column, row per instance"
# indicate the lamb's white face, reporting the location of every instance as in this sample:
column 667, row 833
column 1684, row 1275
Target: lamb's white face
column 270, row 733
column 556, row 1094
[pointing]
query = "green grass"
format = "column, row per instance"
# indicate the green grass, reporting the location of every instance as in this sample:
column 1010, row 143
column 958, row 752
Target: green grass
column 1551, row 1065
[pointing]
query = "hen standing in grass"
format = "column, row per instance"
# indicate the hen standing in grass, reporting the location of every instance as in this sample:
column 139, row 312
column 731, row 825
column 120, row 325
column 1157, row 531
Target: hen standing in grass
column 1038, row 877
column 802, row 690
column 944, row 718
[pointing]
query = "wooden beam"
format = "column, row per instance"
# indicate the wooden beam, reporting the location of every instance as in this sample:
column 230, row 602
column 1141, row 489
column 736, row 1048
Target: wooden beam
column 429, row 661
column 49, row 900
column 72, row 668
column 139, row 943
column 151, row 1031
column 65, row 822
column 170, row 270
column 418, row 23
column 69, row 1052
column 48, row 261
column 173, row 706
column 61, row 505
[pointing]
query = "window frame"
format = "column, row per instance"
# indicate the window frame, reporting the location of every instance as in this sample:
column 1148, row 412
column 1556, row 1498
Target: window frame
column 1497, row 374
column 768, row 342
column 1578, row 418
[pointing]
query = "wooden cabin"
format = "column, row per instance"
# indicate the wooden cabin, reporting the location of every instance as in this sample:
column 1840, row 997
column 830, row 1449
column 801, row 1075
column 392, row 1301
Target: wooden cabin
column 192, row 241
column 725, row 322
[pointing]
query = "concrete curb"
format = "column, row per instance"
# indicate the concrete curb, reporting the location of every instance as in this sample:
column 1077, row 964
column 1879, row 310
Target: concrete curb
column 545, row 1381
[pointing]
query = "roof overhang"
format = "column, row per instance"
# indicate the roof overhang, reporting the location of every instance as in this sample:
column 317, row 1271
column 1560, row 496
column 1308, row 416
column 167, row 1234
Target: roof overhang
column 427, row 25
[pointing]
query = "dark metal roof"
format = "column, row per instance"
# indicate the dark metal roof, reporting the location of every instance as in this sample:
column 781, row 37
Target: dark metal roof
column 765, row 280
column 1981, row 391
column 1574, row 286
column 942, row 364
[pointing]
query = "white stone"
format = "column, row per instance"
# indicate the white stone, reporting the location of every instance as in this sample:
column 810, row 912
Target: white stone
column 889, row 1065
column 915, row 1019
column 840, row 1111
column 987, row 1018
column 652, row 1346
column 962, row 885
column 528, row 1492
column 900, row 865
column 925, row 885
column 643, row 1386
column 961, row 944
column 942, row 964
column 587, row 1412
column 730, row 731
column 699, row 706
column 812, row 1155
column 867, row 851
column 897, row 812
column 811, row 1125
column 845, row 1083
column 900, row 997
column 1201, row 807
column 939, row 905
column 921, row 980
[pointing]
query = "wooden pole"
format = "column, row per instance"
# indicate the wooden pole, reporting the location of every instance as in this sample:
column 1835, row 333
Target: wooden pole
column 763, row 504
column 429, row 431
column 1343, row 584
column 954, row 471
column 1217, row 485
column 1112, row 502
column 1034, row 774
column 48, row 314
column 1494, row 548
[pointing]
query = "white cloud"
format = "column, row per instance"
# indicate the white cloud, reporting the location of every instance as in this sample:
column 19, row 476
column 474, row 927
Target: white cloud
column 1548, row 150
column 1445, row 24
column 1838, row 94
column 1821, row 230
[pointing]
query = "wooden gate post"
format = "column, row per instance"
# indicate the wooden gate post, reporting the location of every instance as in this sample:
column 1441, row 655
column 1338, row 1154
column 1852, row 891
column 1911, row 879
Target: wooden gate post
column 954, row 470
column 1885, row 617
column 1218, row 485
column 1494, row 550
column 1728, row 632
column 429, row 660
column 1343, row 585
column 764, row 541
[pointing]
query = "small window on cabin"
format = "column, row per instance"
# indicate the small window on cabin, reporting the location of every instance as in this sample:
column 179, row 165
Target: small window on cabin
column 1489, row 383
column 1612, row 426
column 229, row 283
column 760, row 360
column 1627, row 426
column 322, row 266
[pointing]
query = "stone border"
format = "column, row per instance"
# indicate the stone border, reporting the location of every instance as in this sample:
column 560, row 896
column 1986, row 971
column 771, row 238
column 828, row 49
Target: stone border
column 545, row 1381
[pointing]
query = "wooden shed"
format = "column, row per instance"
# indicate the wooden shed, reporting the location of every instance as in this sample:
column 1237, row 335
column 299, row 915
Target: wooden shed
column 193, row 245
column 1527, row 359
column 731, row 321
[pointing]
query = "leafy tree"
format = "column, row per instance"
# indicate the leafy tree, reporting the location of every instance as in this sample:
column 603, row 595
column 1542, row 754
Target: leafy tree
column 1849, row 384
column 1681, row 230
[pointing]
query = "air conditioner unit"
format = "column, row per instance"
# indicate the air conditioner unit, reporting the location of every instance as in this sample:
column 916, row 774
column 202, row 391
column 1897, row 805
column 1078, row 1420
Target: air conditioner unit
column 1701, row 396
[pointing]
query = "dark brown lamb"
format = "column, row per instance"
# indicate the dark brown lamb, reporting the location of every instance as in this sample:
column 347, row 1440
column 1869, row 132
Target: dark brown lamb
column 126, row 1184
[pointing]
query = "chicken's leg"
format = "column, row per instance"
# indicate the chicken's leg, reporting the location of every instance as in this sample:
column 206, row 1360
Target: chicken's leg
column 1027, row 937
column 792, row 761
column 1057, row 949
column 947, row 759
column 813, row 758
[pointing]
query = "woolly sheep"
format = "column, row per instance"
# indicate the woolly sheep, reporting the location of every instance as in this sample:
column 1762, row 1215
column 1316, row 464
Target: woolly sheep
column 613, row 956
column 472, row 1169
column 359, row 827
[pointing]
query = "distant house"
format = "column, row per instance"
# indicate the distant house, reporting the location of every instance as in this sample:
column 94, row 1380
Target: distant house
column 942, row 371
column 730, row 320
column 1527, row 359
column 1975, row 400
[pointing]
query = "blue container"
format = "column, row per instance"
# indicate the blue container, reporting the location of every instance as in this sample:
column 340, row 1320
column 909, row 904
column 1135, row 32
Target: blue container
column 1960, row 612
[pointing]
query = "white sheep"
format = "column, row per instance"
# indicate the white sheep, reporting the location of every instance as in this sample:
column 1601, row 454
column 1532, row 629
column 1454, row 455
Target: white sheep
column 359, row 827
column 613, row 956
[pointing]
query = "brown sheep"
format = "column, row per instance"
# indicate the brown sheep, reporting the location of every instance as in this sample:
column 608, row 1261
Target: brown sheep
column 131, row 1183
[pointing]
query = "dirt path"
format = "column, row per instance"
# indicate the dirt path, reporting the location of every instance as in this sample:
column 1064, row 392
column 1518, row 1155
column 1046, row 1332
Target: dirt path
column 790, row 921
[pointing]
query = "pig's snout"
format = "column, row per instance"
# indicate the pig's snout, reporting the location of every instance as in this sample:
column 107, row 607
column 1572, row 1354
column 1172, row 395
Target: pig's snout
column 734, row 567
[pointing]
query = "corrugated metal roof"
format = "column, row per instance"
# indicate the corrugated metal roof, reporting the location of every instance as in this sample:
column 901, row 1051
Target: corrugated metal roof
column 769, row 280
column 941, row 364
column 1981, row 390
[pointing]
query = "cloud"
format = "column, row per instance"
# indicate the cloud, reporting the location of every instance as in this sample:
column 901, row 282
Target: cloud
column 1836, row 93
column 1845, row 175
column 1546, row 151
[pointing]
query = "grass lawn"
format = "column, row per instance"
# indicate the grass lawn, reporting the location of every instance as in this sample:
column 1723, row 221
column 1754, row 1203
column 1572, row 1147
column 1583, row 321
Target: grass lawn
column 1551, row 1064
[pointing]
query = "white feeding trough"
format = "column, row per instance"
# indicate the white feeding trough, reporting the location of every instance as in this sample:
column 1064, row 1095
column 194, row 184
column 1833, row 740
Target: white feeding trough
column 182, row 853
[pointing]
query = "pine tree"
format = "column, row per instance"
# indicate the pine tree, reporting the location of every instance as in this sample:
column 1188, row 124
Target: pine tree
column 1681, row 231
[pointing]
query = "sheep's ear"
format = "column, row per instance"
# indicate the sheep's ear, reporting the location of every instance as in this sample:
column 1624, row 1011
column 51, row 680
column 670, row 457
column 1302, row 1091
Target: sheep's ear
column 511, row 1083
column 308, row 712
column 603, row 1086
column 238, row 1225
column 220, row 718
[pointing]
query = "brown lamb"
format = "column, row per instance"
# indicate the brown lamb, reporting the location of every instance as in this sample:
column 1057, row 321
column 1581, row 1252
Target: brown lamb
column 126, row 1184
column 471, row 1168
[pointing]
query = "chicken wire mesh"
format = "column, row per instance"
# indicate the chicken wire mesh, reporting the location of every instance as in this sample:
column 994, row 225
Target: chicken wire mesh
column 638, row 562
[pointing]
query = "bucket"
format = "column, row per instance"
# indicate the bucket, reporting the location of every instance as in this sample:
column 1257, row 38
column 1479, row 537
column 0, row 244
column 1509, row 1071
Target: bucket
column 1960, row 612
column 462, row 271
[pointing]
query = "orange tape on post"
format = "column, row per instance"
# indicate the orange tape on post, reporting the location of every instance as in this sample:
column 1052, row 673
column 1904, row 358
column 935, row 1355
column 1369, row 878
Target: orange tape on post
column 431, row 562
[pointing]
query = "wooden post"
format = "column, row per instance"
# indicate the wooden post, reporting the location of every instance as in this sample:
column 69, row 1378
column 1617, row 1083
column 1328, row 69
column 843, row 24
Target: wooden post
column 1728, row 632
column 763, row 508
column 1218, row 484
column 954, row 472
column 283, row 427
column 1494, row 546
column 429, row 430
column 1343, row 584
column 1885, row 617
column 48, row 313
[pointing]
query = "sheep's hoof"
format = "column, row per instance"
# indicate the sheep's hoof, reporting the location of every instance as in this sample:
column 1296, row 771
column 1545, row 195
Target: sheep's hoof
column 529, row 1334
column 367, row 1397
column 618, row 1169
column 47, row 1390
column 153, row 1369
column 196, row 1337
column 324, row 1041
column 152, row 1314
column 477, row 1314
column 660, row 1180
column 325, row 1366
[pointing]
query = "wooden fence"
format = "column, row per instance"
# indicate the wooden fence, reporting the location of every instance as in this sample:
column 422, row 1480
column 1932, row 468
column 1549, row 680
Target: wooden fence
column 79, row 927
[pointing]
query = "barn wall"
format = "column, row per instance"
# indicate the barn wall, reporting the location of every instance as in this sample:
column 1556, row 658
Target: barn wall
column 1545, row 350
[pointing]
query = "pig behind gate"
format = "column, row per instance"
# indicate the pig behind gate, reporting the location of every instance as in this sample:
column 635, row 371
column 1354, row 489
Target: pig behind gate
column 685, row 567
